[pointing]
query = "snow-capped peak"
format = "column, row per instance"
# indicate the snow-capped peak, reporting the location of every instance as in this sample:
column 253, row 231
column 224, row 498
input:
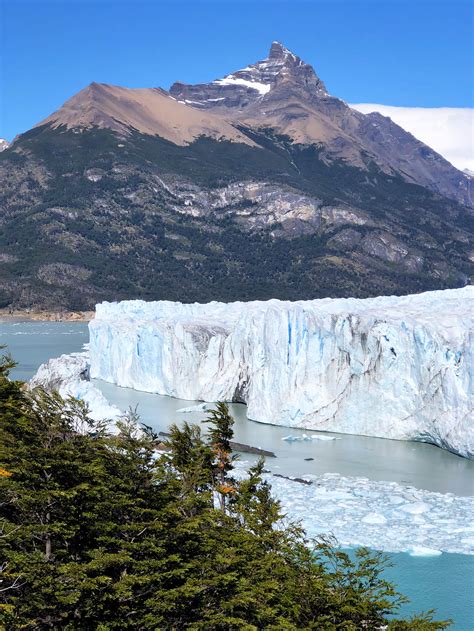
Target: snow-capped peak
column 4, row 144
column 252, row 83
column 261, row 75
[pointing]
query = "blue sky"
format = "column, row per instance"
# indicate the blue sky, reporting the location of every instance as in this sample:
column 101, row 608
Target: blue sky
column 396, row 52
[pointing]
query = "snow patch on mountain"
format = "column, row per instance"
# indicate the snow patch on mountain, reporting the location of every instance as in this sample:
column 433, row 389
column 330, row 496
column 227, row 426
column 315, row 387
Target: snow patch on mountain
column 263, row 88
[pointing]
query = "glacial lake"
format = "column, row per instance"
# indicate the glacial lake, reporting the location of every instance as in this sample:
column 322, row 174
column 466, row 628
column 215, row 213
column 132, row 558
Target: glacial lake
column 445, row 582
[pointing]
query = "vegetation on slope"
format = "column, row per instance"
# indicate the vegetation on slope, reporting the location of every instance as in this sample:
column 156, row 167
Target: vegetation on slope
column 70, row 239
column 99, row 531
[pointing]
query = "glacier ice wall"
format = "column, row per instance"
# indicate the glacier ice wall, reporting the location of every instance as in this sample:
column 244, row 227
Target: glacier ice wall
column 391, row 367
column 69, row 375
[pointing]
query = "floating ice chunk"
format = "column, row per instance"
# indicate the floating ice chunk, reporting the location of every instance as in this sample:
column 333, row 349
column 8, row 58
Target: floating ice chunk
column 417, row 508
column 420, row 551
column 290, row 438
column 306, row 438
column 395, row 500
column 317, row 437
column 201, row 407
column 374, row 518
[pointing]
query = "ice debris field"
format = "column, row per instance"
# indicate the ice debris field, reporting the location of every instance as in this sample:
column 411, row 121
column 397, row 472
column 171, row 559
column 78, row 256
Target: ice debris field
column 380, row 515
column 390, row 367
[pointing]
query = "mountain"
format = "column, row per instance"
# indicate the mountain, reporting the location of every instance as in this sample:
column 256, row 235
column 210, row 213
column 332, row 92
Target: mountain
column 447, row 130
column 4, row 144
column 253, row 186
column 284, row 94
column 148, row 111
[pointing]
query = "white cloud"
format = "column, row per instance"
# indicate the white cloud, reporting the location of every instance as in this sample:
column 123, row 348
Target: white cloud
column 447, row 130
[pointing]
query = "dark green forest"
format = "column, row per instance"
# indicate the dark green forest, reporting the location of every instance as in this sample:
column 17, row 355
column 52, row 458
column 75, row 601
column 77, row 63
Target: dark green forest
column 102, row 531
column 68, row 242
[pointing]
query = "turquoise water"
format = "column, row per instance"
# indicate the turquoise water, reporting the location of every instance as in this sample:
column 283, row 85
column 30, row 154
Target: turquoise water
column 444, row 582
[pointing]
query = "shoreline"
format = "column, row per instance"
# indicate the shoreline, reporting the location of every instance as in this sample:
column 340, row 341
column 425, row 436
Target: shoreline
column 45, row 316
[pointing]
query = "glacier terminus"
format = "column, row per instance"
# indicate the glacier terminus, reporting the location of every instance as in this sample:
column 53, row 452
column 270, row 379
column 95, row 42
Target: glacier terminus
column 390, row 367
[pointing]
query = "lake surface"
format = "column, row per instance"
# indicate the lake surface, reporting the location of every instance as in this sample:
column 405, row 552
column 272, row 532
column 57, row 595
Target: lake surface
column 445, row 581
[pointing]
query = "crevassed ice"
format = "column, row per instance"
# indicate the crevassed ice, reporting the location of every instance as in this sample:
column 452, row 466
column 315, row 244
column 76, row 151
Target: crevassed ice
column 391, row 367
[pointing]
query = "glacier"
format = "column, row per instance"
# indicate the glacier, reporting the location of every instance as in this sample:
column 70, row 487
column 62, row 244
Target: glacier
column 389, row 367
column 69, row 375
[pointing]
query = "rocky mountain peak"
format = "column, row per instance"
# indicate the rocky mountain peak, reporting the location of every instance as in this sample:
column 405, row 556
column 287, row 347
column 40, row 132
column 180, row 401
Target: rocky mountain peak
column 280, row 53
column 252, row 84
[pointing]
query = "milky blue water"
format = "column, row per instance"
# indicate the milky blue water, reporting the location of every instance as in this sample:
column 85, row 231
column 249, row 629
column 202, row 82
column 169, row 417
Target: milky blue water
column 444, row 582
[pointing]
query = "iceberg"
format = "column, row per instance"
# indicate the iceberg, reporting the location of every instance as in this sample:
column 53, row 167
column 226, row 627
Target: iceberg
column 390, row 367
column 419, row 551
column 304, row 438
column 201, row 407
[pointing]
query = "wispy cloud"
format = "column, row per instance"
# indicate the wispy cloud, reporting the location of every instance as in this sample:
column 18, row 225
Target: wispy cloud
column 447, row 130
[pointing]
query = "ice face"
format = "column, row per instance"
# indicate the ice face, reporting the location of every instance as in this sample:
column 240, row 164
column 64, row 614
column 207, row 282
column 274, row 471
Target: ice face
column 390, row 367
column 69, row 375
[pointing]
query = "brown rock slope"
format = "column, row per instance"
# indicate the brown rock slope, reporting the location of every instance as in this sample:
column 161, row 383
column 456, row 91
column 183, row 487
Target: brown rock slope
column 146, row 110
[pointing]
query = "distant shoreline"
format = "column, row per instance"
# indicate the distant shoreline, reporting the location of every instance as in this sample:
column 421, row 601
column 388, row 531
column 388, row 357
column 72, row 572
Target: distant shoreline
column 45, row 316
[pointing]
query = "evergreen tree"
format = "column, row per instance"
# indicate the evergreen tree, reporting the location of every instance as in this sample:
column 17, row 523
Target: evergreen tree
column 220, row 435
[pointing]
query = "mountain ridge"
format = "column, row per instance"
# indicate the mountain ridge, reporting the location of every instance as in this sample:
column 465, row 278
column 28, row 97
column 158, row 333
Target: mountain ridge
column 147, row 110
column 281, row 93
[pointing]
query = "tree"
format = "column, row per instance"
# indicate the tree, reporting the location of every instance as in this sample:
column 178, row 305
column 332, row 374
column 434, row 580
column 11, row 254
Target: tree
column 220, row 434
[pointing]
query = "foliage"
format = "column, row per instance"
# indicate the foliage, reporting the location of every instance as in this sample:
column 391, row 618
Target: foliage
column 102, row 531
